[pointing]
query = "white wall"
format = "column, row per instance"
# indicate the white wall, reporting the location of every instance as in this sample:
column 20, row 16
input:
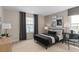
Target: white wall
column 12, row 17
column 1, row 19
column 41, row 24
column 1, row 12
column 64, row 14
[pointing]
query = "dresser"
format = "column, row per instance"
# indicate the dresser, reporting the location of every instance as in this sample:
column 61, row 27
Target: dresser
column 5, row 45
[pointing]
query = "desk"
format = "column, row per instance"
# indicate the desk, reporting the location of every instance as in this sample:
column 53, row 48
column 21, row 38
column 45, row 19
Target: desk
column 5, row 45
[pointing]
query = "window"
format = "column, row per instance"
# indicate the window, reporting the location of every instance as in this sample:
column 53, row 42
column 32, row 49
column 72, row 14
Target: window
column 75, row 23
column 29, row 24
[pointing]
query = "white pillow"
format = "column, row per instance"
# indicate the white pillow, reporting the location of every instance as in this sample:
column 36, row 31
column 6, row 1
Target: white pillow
column 59, row 32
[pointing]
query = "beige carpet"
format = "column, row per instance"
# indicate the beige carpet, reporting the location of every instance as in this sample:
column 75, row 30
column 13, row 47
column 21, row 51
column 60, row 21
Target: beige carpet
column 31, row 46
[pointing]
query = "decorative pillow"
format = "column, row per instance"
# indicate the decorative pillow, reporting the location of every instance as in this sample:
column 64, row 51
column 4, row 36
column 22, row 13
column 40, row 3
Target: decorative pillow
column 59, row 32
column 52, row 32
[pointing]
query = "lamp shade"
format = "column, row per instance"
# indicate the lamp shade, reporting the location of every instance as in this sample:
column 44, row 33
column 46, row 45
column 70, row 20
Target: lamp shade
column 6, row 26
column 46, row 28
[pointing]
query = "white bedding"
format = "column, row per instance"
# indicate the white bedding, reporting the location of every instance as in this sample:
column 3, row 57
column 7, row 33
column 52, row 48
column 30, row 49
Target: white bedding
column 53, row 40
column 60, row 37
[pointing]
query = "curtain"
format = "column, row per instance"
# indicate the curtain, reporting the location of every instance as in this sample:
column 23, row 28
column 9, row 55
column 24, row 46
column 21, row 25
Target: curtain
column 73, row 11
column 35, row 24
column 22, row 34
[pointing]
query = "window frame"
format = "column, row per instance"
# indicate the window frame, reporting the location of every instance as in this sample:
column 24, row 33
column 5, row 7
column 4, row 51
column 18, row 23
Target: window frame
column 74, row 26
column 30, row 24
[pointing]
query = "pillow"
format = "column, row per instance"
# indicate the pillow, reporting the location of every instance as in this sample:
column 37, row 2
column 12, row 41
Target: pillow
column 52, row 32
column 59, row 32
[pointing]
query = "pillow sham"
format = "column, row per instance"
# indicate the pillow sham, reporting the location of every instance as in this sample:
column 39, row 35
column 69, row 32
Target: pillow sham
column 52, row 32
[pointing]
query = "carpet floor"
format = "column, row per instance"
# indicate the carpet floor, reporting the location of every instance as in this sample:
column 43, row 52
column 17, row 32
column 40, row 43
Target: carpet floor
column 31, row 46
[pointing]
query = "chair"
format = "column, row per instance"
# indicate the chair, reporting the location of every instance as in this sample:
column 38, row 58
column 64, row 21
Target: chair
column 66, row 39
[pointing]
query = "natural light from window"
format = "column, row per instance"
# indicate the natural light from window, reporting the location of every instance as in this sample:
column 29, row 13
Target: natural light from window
column 75, row 23
column 29, row 24
column 75, row 19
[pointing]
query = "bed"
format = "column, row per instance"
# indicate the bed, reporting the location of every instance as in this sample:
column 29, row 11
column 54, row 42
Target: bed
column 48, row 39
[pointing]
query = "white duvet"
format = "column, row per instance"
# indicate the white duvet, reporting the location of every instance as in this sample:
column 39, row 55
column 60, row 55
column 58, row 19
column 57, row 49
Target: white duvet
column 53, row 40
column 60, row 37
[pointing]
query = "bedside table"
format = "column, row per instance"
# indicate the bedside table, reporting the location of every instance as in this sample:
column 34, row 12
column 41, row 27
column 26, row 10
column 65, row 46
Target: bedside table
column 5, row 45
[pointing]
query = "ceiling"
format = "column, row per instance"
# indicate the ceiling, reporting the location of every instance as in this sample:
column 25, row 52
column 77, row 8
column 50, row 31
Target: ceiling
column 42, row 10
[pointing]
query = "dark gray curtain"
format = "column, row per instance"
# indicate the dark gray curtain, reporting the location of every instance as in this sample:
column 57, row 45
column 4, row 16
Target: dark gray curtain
column 73, row 11
column 35, row 24
column 22, row 33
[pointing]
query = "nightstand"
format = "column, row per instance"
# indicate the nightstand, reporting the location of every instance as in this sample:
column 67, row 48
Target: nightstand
column 5, row 44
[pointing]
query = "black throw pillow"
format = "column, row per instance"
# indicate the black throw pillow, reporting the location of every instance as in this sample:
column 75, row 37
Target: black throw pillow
column 52, row 32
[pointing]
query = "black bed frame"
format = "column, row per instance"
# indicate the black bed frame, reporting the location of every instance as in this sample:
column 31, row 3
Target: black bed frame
column 43, row 41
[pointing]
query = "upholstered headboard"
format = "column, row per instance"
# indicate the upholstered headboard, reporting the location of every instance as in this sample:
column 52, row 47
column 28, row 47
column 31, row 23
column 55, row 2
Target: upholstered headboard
column 58, row 32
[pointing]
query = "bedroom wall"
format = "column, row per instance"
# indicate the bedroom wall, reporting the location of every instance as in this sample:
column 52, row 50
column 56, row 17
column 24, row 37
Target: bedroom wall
column 12, row 17
column 64, row 14
column 1, row 12
column 1, row 18
column 41, row 23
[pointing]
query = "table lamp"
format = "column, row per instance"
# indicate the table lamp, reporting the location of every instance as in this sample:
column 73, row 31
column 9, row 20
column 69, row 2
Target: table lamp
column 6, row 27
column 46, row 29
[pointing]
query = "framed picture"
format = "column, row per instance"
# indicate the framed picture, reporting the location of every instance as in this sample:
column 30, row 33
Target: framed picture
column 59, row 22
